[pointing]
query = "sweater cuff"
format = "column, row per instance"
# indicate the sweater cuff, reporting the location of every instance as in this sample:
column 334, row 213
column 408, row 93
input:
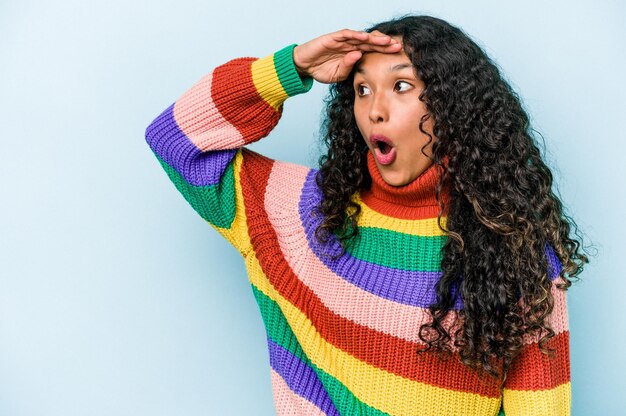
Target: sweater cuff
column 276, row 78
column 291, row 80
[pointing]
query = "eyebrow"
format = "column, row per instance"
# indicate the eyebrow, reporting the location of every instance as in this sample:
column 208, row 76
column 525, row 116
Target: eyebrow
column 394, row 68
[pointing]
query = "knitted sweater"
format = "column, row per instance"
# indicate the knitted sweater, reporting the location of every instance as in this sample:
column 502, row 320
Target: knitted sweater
column 342, row 333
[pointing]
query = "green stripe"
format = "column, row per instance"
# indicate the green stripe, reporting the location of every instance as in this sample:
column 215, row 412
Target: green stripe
column 214, row 203
column 291, row 81
column 398, row 250
column 279, row 331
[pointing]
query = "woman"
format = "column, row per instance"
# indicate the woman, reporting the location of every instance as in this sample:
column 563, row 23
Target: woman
column 422, row 269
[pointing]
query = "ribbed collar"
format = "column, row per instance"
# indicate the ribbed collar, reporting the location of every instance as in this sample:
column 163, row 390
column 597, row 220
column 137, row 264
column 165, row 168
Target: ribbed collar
column 416, row 200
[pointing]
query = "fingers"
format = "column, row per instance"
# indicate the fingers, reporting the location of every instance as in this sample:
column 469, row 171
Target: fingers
column 376, row 35
column 347, row 34
column 352, row 36
column 375, row 41
column 366, row 47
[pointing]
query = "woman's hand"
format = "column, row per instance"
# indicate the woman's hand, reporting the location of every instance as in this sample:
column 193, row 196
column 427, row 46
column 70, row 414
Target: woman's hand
column 329, row 58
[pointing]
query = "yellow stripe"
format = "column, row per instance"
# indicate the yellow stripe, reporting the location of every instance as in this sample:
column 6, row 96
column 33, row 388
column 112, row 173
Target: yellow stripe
column 266, row 82
column 424, row 227
column 380, row 389
column 257, row 277
column 237, row 234
column 553, row 402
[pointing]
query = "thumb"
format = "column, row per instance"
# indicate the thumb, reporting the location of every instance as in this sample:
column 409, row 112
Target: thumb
column 352, row 57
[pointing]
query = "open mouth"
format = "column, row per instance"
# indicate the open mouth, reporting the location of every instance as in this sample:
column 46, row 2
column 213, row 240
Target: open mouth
column 383, row 147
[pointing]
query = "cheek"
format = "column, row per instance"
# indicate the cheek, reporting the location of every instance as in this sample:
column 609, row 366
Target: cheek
column 414, row 117
column 410, row 121
column 358, row 111
column 358, row 118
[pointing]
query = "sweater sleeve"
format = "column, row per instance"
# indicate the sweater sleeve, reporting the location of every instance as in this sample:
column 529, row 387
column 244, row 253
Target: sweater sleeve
column 199, row 139
column 537, row 384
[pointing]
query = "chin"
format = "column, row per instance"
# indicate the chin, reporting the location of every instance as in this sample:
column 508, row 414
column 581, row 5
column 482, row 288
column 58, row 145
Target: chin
column 396, row 181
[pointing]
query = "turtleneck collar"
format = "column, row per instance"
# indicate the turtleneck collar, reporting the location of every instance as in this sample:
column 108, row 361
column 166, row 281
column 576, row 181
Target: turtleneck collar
column 415, row 200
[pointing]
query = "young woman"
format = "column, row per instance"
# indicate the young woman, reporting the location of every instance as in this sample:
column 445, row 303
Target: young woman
column 422, row 269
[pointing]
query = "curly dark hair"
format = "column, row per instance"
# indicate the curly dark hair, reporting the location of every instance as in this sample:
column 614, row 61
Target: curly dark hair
column 502, row 213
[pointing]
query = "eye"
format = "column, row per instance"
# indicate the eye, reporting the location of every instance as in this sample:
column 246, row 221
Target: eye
column 359, row 89
column 362, row 90
column 404, row 82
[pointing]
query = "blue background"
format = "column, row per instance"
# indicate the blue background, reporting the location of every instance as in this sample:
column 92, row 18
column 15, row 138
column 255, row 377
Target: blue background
column 117, row 299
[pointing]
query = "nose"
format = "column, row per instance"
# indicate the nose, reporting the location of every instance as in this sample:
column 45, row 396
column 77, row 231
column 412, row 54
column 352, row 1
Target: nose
column 378, row 109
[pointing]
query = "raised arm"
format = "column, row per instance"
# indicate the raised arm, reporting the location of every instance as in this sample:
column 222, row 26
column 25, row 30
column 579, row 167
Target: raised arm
column 198, row 139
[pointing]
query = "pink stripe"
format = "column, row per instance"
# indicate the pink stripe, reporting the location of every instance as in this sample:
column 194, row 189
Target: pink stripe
column 342, row 298
column 289, row 403
column 558, row 319
column 199, row 119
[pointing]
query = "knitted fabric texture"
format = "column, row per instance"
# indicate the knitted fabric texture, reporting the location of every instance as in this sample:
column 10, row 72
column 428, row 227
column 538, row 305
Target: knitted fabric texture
column 342, row 333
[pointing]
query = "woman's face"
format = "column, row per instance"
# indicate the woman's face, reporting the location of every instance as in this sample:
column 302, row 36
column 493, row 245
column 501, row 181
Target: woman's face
column 386, row 103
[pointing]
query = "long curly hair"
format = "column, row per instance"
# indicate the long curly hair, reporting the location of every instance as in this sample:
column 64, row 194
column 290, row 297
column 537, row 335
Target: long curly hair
column 502, row 213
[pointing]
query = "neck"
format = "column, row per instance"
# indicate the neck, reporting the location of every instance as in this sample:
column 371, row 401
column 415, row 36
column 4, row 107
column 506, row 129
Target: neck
column 415, row 200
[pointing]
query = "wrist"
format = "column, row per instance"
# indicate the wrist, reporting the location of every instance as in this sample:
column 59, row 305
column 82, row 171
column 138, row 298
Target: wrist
column 301, row 71
column 285, row 72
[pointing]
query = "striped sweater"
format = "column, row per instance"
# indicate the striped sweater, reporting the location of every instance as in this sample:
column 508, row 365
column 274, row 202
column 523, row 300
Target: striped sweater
column 342, row 332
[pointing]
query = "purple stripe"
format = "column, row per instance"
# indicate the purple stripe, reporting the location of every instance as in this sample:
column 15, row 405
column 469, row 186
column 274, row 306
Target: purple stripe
column 300, row 378
column 172, row 145
column 411, row 287
column 553, row 262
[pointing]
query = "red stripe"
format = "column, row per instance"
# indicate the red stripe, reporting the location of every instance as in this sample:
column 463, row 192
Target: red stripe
column 400, row 211
column 234, row 79
column 533, row 370
column 384, row 351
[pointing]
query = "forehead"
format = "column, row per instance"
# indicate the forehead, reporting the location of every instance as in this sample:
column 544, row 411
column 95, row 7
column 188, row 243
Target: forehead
column 382, row 62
